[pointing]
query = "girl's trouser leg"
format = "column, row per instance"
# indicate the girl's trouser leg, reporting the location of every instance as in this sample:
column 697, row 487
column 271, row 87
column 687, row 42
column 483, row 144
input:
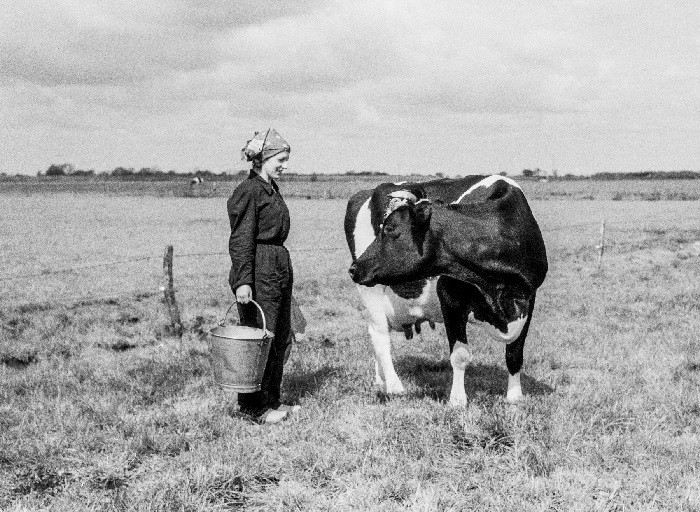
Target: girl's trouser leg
column 274, row 294
column 278, row 318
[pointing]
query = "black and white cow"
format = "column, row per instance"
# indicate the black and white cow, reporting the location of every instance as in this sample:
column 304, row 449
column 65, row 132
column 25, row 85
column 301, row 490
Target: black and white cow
column 450, row 251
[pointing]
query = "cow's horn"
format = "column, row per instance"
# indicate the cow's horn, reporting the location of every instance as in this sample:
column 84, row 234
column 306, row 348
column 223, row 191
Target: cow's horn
column 404, row 194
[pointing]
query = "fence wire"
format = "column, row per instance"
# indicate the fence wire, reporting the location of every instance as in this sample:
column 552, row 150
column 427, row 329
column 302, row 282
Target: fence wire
column 90, row 266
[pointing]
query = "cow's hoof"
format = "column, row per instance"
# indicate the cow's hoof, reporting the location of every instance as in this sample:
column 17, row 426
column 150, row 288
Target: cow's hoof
column 394, row 388
column 514, row 395
column 458, row 401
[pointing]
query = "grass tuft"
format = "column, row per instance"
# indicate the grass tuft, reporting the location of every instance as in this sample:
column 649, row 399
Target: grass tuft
column 40, row 478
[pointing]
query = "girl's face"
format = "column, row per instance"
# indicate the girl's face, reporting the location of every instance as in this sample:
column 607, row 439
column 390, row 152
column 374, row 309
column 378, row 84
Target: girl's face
column 275, row 165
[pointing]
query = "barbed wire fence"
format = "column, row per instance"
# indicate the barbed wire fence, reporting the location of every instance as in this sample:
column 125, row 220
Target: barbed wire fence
column 90, row 266
column 167, row 288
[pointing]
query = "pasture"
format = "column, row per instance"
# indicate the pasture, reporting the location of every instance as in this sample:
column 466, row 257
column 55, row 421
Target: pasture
column 100, row 409
column 343, row 186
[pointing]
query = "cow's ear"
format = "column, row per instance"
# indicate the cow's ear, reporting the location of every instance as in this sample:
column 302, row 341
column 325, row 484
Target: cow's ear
column 424, row 209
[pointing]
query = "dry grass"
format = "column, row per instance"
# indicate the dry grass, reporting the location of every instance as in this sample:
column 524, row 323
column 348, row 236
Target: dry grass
column 101, row 410
column 342, row 187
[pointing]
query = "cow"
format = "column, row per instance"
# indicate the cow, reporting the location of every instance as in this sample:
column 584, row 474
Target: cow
column 197, row 180
column 451, row 251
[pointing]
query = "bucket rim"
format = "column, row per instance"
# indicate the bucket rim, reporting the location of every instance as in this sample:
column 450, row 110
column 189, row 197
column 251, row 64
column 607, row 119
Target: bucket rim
column 246, row 333
column 262, row 314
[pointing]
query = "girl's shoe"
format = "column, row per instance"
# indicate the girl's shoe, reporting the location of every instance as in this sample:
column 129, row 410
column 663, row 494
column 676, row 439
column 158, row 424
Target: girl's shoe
column 291, row 409
column 272, row 416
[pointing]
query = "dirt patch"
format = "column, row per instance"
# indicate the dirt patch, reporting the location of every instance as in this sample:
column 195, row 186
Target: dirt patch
column 18, row 362
column 119, row 346
column 40, row 479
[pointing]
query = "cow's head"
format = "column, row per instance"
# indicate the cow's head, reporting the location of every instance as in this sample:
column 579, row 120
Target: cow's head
column 402, row 247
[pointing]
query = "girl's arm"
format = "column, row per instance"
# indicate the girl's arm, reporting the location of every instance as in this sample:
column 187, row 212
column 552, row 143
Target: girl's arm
column 243, row 216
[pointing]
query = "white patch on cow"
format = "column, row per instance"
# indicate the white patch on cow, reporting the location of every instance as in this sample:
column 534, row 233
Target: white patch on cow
column 515, row 392
column 387, row 311
column 404, row 194
column 400, row 183
column 399, row 198
column 407, row 311
column 363, row 234
column 459, row 358
column 514, row 329
column 394, row 204
column 486, row 183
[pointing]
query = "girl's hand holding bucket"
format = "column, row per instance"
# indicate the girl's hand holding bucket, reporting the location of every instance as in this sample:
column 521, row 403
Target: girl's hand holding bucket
column 244, row 294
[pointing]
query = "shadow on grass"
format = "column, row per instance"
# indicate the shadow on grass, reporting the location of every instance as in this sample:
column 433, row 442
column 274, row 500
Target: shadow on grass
column 433, row 379
column 297, row 385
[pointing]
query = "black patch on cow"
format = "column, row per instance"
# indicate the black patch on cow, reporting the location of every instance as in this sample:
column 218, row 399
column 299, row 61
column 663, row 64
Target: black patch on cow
column 410, row 289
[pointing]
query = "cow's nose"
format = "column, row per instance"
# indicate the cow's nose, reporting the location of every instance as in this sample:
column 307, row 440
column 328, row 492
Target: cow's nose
column 352, row 269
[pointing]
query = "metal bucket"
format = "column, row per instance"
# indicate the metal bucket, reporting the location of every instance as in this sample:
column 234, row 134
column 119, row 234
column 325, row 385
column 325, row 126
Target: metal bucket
column 239, row 354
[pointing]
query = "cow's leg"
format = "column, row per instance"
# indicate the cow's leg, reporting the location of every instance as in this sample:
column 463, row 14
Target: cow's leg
column 384, row 373
column 375, row 302
column 455, row 314
column 514, row 359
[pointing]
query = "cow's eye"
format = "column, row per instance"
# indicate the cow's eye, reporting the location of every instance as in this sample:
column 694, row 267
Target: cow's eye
column 391, row 231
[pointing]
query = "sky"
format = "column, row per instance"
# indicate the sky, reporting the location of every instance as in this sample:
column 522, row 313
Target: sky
column 396, row 86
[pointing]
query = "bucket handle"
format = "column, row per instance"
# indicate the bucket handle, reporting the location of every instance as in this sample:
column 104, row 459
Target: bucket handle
column 223, row 320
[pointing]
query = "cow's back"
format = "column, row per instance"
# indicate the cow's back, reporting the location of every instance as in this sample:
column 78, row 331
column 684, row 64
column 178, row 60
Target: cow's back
column 448, row 190
column 440, row 191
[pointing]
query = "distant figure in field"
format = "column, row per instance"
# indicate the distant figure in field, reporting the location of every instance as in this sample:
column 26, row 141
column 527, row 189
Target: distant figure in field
column 261, row 268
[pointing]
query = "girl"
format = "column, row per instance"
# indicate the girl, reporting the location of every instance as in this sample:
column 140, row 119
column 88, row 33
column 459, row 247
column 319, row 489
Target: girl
column 261, row 267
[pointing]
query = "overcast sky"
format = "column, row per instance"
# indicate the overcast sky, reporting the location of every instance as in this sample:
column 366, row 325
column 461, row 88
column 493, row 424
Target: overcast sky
column 398, row 86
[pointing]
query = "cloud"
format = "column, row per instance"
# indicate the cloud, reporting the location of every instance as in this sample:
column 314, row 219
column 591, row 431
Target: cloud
column 419, row 57
column 103, row 42
column 330, row 49
column 522, row 74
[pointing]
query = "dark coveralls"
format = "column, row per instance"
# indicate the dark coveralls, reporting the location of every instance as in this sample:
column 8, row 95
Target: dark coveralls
column 259, row 226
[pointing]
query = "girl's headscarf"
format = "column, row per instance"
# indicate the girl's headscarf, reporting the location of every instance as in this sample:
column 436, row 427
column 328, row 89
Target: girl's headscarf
column 263, row 145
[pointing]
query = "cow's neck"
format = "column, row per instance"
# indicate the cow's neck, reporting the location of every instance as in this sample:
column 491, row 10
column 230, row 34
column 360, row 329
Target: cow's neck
column 466, row 251
column 454, row 235
column 464, row 247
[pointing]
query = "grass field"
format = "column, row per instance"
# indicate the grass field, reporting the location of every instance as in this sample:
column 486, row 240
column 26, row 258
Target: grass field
column 342, row 187
column 100, row 409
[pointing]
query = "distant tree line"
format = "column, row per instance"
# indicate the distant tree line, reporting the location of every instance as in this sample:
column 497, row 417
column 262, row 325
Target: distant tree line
column 66, row 170
column 131, row 174
column 648, row 175
column 366, row 173
column 537, row 173
column 156, row 174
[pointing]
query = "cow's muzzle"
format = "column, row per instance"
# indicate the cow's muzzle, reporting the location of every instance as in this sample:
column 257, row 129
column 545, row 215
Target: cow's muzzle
column 360, row 277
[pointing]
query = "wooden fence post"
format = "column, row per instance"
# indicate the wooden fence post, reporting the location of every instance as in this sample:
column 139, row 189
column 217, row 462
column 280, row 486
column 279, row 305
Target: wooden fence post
column 601, row 247
column 169, row 292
